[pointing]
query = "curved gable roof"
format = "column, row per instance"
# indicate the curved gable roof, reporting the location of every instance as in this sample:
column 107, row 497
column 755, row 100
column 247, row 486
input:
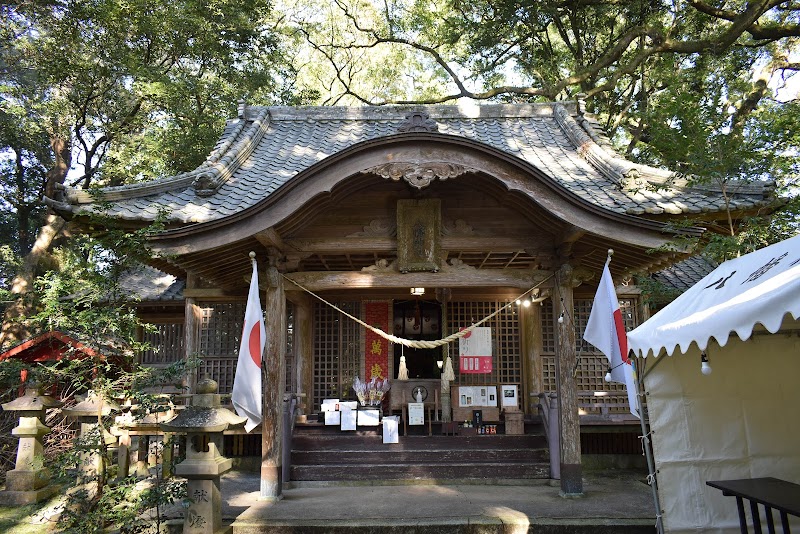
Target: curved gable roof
column 266, row 147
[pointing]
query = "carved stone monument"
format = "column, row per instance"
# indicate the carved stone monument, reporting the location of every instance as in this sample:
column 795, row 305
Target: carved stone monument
column 204, row 422
column 29, row 481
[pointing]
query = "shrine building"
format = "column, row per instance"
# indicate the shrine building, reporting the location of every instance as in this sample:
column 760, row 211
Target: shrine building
column 419, row 221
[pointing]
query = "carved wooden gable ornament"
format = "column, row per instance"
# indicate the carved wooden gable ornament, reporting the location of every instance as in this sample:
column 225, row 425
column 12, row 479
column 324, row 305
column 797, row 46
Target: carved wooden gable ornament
column 419, row 230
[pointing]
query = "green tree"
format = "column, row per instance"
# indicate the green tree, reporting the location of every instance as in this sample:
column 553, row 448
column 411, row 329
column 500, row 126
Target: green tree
column 705, row 89
column 85, row 298
column 119, row 92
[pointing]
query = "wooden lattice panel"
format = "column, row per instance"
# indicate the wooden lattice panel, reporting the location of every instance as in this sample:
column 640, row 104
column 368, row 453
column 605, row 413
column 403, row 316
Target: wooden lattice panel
column 221, row 370
column 592, row 364
column 221, row 326
column 166, row 342
column 506, row 360
column 337, row 351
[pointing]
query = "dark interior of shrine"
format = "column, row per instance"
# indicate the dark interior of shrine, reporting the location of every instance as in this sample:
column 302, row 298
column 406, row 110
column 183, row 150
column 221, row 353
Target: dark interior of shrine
column 418, row 319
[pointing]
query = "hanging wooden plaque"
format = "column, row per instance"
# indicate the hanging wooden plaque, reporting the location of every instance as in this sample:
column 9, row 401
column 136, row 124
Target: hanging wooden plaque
column 419, row 230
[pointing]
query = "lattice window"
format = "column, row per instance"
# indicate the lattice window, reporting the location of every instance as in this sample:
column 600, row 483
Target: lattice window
column 221, row 326
column 166, row 342
column 337, row 351
column 630, row 313
column 221, row 370
column 592, row 364
column 506, row 359
column 548, row 346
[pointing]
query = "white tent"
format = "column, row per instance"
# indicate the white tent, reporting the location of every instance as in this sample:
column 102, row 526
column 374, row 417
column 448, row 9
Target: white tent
column 738, row 421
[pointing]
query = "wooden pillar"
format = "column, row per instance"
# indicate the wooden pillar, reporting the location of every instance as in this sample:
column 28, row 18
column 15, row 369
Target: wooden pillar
column 303, row 349
column 530, row 318
column 443, row 295
column 566, row 357
column 274, row 369
column 192, row 322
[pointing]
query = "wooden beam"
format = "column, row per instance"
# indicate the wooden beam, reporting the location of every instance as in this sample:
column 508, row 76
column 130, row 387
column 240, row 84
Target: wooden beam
column 568, row 239
column 333, row 280
column 270, row 238
column 210, row 293
column 338, row 245
column 389, row 244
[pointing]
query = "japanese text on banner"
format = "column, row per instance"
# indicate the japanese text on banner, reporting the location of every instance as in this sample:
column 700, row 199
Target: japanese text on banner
column 475, row 351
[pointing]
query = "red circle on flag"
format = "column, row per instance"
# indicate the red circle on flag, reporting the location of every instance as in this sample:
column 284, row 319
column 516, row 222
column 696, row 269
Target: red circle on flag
column 255, row 345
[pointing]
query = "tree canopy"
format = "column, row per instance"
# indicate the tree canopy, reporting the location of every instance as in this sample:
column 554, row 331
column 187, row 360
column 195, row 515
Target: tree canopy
column 706, row 89
column 106, row 92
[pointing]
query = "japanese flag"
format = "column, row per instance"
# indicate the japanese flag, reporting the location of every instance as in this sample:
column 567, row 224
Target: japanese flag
column 606, row 331
column 247, row 393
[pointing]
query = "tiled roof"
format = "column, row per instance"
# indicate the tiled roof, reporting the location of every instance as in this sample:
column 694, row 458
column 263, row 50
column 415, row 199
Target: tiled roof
column 266, row 146
column 147, row 284
column 685, row 274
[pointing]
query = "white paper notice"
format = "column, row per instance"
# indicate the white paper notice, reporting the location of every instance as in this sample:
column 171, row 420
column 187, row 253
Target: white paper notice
column 416, row 413
column 509, row 394
column 332, row 418
column 369, row 417
column 390, row 430
column 348, row 419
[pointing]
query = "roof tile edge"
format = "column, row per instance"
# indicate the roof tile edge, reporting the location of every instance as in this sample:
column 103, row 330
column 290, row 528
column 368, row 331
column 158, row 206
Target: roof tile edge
column 398, row 112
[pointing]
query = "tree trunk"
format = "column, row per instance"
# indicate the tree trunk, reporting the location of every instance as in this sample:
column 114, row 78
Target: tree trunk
column 13, row 329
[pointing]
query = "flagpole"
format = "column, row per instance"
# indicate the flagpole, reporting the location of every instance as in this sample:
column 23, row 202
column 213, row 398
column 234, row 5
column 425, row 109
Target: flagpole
column 639, row 394
column 651, row 476
column 651, row 472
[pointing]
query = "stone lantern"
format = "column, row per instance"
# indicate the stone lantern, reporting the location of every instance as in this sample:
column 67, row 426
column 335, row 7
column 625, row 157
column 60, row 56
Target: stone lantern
column 87, row 412
column 132, row 423
column 203, row 422
column 29, row 481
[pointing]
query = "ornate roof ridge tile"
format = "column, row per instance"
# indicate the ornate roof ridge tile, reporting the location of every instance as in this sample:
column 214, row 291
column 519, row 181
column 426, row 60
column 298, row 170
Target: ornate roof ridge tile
column 226, row 142
column 399, row 112
column 75, row 196
column 209, row 181
column 626, row 174
column 150, row 187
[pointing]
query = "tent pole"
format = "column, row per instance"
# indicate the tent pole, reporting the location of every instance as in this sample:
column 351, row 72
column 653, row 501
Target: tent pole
column 651, row 477
column 650, row 370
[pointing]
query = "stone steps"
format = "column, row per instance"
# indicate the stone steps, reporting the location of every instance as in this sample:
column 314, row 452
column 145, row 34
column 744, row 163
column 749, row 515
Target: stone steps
column 326, row 455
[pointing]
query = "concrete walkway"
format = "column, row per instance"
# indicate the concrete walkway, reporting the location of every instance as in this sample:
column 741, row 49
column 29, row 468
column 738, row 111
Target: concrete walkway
column 613, row 503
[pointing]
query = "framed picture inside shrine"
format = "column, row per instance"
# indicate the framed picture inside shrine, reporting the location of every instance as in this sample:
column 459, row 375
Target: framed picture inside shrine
column 508, row 394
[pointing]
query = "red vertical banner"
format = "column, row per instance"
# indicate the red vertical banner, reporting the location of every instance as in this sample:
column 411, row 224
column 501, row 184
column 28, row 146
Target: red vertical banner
column 376, row 348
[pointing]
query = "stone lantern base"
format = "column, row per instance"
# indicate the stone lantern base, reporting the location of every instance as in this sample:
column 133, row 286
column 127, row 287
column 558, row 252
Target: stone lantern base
column 27, row 487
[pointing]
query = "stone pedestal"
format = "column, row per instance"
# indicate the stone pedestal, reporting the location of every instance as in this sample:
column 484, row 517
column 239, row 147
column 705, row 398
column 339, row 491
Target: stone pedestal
column 515, row 421
column 204, row 422
column 29, row 481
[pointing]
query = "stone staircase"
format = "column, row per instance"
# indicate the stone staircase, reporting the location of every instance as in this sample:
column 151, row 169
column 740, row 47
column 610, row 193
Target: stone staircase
column 323, row 454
